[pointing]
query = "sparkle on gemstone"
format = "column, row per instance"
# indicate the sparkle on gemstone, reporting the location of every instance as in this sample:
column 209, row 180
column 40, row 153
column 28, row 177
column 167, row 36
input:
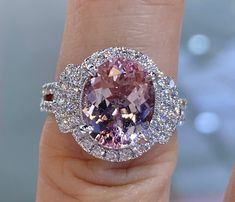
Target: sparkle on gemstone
column 118, row 102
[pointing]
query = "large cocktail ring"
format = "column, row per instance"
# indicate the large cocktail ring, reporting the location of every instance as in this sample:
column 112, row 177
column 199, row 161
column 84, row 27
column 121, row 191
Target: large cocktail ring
column 117, row 104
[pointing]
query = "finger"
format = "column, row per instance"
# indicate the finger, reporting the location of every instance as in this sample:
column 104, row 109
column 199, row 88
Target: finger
column 151, row 26
column 230, row 193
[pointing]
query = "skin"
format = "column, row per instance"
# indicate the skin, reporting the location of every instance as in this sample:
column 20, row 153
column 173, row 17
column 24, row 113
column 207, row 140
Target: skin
column 230, row 193
column 66, row 172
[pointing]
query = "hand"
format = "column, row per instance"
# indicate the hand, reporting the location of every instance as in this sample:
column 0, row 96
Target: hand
column 66, row 172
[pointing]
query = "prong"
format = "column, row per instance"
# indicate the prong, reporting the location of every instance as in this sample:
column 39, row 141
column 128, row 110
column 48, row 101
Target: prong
column 85, row 129
column 91, row 69
column 151, row 76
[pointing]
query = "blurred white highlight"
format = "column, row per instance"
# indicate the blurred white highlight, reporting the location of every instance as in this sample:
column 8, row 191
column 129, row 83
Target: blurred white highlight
column 207, row 122
column 199, row 44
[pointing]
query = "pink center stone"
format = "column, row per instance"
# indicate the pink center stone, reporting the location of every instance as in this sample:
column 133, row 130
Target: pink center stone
column 118, row 102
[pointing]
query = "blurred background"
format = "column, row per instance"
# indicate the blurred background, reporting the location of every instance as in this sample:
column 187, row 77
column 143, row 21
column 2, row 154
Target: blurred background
column 30, row 35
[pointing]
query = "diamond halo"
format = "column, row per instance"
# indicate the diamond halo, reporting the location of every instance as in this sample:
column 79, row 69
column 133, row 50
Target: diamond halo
column 64, row 98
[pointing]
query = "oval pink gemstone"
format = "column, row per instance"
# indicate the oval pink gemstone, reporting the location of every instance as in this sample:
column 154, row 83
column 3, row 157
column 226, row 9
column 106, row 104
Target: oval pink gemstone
column 118, row 102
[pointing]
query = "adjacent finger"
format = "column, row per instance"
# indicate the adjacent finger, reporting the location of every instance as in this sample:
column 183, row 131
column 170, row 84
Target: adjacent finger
column 230, row 193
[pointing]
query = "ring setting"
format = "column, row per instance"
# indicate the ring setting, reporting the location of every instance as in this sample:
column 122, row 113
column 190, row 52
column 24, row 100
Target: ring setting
column 117, row 104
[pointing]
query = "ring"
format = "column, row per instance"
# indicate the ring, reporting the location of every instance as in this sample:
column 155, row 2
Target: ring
column 117, row 104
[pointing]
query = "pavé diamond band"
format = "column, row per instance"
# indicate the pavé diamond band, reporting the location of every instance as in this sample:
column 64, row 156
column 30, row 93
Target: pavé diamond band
column 117, row 104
